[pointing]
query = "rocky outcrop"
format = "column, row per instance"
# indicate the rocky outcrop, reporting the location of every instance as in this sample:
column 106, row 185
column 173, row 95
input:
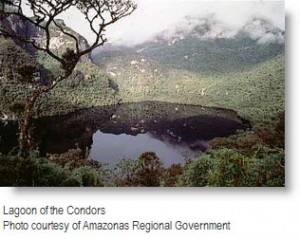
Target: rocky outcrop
column 15, row 25
column 59, row 41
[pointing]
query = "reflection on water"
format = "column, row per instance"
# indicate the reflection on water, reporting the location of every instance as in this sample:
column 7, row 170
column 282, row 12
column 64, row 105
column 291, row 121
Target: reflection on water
column 111, row 148
column 173, row 131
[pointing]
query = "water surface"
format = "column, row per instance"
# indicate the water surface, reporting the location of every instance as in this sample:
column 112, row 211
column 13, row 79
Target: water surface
column 110, row 148
column 173, row 131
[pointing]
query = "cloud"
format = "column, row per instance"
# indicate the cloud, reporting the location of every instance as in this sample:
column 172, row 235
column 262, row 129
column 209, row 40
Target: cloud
column 155, row 16
column 208, row 27
column 263, row 31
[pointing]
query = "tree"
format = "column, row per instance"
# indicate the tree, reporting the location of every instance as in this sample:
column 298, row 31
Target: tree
column 146, row 171
column 99, row 14
column 150, row 170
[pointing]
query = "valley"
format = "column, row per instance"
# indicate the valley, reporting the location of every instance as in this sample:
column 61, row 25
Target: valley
column 214, row 94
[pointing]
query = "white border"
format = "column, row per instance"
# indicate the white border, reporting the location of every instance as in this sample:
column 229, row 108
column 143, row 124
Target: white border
column 253, row 212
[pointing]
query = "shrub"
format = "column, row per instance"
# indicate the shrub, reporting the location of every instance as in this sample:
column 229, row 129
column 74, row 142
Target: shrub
column 196, row 172
column 87, row 176
column 146, row 171
column 126, row 173
column 268, row 168
column 49, row 174
column 34, row 170
column 30, row 171
column 172, row 174
column 16, row 172
column 149, row 170
column 230, row 169
column 72, row 181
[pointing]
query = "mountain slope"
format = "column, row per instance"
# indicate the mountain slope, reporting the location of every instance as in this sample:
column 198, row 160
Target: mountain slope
column 204, row 64
column 87, row 86
column 204, row 46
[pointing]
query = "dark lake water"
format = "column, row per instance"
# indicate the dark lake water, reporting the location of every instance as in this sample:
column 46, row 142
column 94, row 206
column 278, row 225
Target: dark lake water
column 108, row 134
column 110, row 148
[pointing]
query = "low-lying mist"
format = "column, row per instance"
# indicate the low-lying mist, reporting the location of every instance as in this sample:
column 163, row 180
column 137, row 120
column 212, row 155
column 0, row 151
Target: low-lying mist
column 263, row 21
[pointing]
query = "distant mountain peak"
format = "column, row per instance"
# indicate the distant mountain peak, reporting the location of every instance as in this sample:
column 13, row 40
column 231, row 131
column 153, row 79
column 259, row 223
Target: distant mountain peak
column 208, row 27
column 263, row 31
column 196, row 27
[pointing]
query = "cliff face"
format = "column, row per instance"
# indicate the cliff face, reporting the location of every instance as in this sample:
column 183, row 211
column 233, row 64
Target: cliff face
column 14, row 53
column 16, row 26
column 59, row 41
column 87, row 86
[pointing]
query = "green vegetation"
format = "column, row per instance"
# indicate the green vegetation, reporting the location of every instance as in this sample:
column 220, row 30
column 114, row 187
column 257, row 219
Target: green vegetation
column 70, row 169
column 147, row 171
column 87, row 87
column 219, row 168
column 236, row 74
column 257, row 93
column 200, row 56
column 14, row 62
column 230, row 168
column 247, row 159
column 213, row 55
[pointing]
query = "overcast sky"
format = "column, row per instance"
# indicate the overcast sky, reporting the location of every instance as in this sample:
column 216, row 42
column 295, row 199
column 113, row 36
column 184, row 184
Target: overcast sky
column 154, row 16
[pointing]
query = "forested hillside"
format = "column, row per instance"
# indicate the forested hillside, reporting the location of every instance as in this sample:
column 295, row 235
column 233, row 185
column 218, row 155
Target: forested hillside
column 204, row 65
column 162, row 88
